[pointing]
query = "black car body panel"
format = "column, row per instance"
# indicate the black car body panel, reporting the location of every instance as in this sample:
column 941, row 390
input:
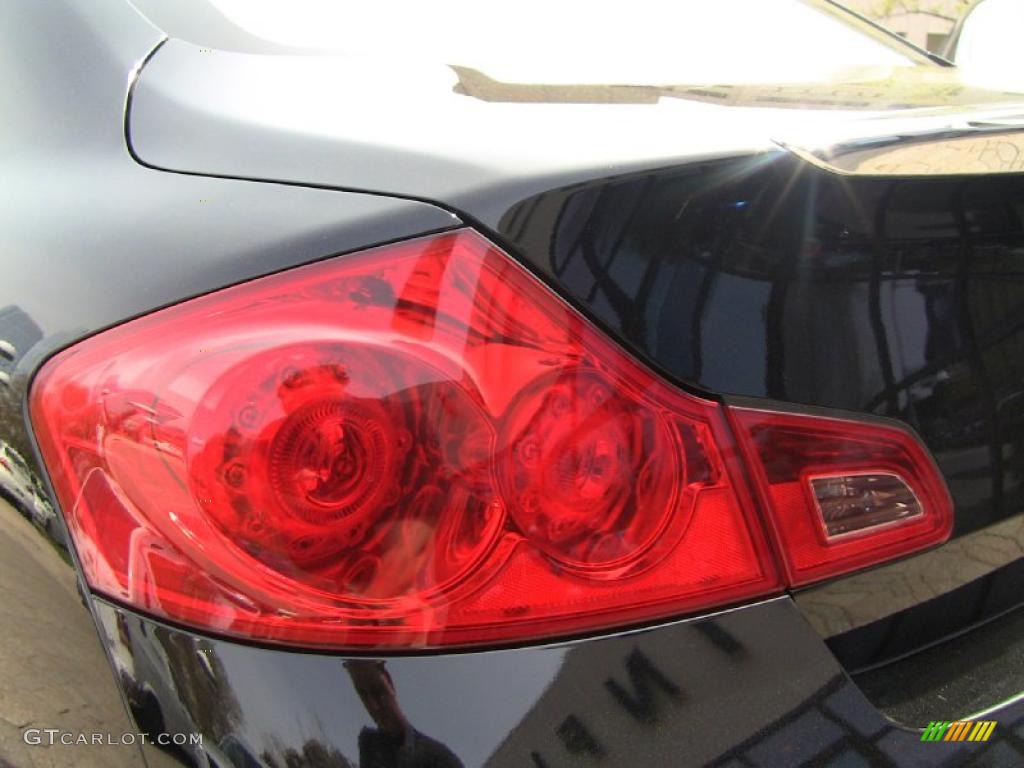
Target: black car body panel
column 720, row 259
column 444, row 133
column 752, row 686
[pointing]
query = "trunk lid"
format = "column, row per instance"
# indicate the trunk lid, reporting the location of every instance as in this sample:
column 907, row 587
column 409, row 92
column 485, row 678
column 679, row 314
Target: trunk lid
column 461, row 137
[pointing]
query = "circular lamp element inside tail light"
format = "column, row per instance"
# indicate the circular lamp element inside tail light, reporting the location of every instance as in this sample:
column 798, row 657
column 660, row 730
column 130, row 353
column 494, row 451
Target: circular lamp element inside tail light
column 325, row 451
column 305, row 455
column 591, row 474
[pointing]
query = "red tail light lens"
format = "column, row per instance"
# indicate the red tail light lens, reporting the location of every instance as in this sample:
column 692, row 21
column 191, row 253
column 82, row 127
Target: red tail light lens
column 415, row 446
column 421, row 446
column 843, row 495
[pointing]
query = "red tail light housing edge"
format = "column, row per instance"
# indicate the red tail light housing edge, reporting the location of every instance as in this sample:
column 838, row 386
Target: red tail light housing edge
column 421, row 445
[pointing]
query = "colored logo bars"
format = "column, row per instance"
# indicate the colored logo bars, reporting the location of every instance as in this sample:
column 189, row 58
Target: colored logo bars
column 960, row 730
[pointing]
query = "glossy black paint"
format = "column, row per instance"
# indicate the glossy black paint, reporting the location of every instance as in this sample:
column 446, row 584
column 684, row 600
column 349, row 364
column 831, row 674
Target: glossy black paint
column 90, row 237
column 434, row 130
column 747, row 687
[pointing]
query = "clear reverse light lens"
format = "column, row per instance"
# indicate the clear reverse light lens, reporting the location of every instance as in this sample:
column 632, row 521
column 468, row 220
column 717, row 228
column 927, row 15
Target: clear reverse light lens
column 853, row 503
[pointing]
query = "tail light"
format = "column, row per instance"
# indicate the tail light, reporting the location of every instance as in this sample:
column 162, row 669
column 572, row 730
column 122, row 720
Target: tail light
column 843, row 495
column 421, row 445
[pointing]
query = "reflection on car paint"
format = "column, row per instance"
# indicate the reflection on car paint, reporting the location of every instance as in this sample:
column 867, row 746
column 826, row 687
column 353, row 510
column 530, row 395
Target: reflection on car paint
column 677, row 695
column 764, row 277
